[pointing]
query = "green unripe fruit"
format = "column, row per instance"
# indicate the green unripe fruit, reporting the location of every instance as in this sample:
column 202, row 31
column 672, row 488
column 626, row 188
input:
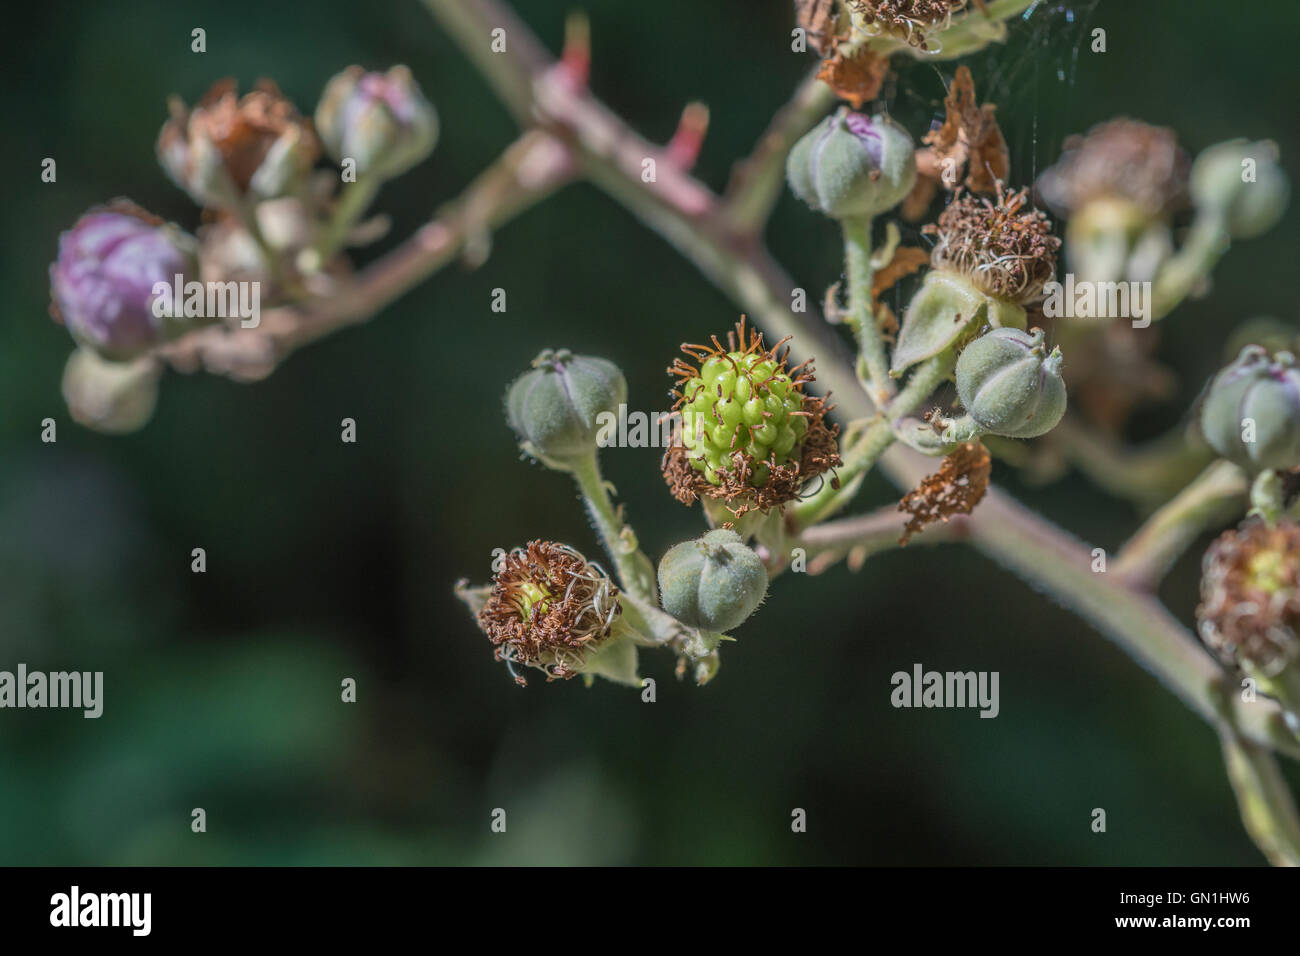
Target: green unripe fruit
column 853, row 165
column 741, row 401
column 713, row 583
column 1009, row 384
column 1251, row 414
column 1242, row 182
column 558, row 408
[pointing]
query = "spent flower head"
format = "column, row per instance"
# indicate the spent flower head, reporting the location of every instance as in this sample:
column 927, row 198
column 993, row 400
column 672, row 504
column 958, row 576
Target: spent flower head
column 1123, row 159
column 1250, row 596
column 750, row 435
column 549, row 608
column 907, row 20
column 1005, row 250
column 228, row 147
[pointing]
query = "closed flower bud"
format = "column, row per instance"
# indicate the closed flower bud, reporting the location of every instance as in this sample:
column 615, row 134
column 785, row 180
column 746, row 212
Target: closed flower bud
column 713, row 583
column 227, row 148
column 102, row 283
column 111, row 397
column 853, row 165
column 750, row 436
column 1251, row 413
column 380, row 120
column 1242, row 182
column 556, row 408
column 1010, row 385
column 551, row 609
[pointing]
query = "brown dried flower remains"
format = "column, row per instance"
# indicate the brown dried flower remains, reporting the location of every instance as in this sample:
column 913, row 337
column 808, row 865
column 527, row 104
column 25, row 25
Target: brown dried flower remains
column 1004, row 251
column 1250, row 595
column 856, row 78
column 910, row 20
column 548, row 606
column 242, row 129
column 955, row 489
column 1125, row 159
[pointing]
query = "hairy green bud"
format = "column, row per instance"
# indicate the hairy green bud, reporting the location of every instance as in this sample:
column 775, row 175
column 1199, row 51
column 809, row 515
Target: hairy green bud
column 1010, row 385
column 1251, row 414
column 853, row 165
column 555, row 407
column 1243, row 182
column 714, row 582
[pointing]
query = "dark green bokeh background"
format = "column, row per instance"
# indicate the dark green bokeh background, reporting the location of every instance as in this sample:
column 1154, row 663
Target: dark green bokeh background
column 329, row 560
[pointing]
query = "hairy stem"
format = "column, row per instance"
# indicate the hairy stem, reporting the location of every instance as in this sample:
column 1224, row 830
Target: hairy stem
column 635, row 572
column 1217, row 495
column 859, row 273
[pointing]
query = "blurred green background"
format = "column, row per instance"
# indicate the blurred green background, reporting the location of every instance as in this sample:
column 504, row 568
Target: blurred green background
column 328, row 560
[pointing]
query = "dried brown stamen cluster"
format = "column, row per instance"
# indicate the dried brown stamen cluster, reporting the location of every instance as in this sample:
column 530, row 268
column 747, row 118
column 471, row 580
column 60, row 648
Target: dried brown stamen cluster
column 548, row 607
column 955, row 489
column 909, row 20
column 1122, row 159
column 1005, row 252
column 1250, row 596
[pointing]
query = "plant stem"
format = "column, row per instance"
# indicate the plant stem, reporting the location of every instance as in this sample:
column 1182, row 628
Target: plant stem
column 1217, row 495
column 1185, row 271
column 1268, row 810
column 635, row 572
column 857, row 460
column 1146, row 475
column 859, row 273
column 352, row 204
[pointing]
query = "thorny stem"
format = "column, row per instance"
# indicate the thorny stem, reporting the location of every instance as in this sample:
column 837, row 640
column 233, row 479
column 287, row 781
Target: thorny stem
column 678, row 208
column 635, row 572
column 1217, row 495
column 686, row 214
column 858, row 273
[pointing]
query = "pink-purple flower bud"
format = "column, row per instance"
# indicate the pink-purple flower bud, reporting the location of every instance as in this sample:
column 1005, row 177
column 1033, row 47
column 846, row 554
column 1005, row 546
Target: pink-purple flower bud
column 102, row 284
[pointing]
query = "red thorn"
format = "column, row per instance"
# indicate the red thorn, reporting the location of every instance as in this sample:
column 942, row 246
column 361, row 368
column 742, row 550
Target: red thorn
column 684, row 148
column 576, row 58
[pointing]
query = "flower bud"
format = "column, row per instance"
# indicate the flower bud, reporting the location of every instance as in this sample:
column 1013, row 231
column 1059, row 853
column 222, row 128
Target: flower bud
column 750, row 436
column 556, row 408
column 380, row 120
column 1009, row 385
column 1242, row 182
column 115, row 398
column 1251, row 413
column 713, row 583
column 853, row 165
column 102, row 282
column 227, row 148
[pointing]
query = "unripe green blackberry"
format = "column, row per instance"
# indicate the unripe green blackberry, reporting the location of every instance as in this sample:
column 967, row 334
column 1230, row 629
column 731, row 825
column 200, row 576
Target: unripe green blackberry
column 749, row 433
column 714, row 582
column 555, row 407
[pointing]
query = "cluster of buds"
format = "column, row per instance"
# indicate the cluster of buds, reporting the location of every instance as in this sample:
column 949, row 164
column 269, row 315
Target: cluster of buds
column 750, row 437
column 248, row 161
